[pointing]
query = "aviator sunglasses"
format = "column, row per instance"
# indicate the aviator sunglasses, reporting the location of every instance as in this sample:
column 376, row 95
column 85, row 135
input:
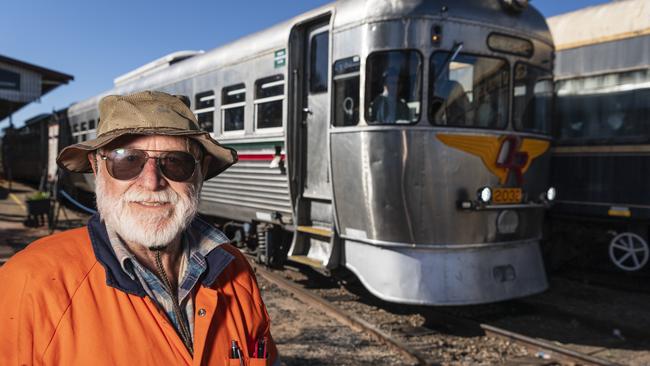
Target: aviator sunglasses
column 127, row 164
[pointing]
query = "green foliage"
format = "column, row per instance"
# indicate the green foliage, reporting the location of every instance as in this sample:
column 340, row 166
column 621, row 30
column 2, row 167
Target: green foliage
column 37, row 196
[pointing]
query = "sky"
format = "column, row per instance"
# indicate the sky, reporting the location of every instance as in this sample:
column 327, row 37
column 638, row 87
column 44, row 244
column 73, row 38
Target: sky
column 96, row 41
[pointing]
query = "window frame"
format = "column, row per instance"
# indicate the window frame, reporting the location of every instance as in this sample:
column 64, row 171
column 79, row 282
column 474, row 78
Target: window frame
column 226, row 90
column 316, row 33
column 9, row 76
column 366, row 96
column 551, row 110
column 510, row 91
column 201, row 97
column 346, row 75
column 560, row 118
column 273, row 98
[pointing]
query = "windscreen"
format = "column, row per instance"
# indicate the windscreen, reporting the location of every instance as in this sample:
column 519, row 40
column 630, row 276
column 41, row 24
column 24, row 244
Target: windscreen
column 533, row 94
column 468, row 91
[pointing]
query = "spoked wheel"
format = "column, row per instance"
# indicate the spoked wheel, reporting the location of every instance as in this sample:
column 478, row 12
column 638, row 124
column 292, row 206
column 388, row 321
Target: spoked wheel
column 629, row 251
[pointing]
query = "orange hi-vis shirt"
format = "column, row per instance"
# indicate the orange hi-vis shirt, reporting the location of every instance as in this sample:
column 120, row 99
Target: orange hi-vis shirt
column 64, row 300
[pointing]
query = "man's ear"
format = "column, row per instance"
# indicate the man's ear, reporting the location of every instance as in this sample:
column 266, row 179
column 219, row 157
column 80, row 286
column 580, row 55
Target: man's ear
column 92, row 158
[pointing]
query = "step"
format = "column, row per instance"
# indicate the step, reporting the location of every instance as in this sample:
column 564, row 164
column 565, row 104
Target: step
column 303, row 259
column 315, row 230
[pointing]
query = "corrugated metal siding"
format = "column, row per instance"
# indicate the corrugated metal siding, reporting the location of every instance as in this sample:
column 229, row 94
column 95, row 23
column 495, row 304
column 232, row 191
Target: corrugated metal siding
column 609, row 56
column 250, row 184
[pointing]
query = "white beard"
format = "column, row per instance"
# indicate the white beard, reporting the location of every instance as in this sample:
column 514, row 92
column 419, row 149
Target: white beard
column 141, row 227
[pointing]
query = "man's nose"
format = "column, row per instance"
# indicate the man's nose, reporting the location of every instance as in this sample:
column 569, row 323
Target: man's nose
column 151, row 178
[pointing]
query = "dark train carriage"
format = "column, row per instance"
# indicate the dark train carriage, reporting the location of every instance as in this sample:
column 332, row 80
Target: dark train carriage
column 601, row 161
column 25, row 150
column 29, row 152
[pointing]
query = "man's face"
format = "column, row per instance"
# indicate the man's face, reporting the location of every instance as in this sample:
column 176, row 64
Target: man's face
column 391, row 84
column 149, row 210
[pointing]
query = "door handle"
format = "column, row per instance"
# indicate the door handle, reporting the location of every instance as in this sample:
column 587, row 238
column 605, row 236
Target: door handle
column 307, row 110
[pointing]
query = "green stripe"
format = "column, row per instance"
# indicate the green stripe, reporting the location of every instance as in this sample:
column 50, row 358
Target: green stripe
column 255, row 145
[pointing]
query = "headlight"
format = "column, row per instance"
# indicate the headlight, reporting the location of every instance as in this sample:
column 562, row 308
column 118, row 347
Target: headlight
column 507, row 222
column 484, row 194
column 551, row 193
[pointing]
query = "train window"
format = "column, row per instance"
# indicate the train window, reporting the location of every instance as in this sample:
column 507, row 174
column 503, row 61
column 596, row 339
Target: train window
column 83, row 126
column 604, row 109
column 318, row 63
column 468, row 91
column 91, row 124
column 204, row 109
column 233, row 100
column 269, row 93
column 346, row 92
column 533, row 93
column 393, row 87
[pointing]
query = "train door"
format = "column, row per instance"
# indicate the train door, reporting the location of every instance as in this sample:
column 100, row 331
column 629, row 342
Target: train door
column 316, row 184
column 310, row 65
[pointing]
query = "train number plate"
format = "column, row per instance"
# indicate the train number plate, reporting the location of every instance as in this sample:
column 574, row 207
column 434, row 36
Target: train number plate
column 506, row 195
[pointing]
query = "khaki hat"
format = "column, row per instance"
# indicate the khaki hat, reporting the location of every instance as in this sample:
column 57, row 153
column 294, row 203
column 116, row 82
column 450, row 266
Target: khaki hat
column 146, row 113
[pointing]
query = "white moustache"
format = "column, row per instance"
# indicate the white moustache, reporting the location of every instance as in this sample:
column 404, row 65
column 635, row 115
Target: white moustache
column 161, row 197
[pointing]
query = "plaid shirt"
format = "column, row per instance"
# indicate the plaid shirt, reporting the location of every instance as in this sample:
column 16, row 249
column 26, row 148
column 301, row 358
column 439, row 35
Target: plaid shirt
column 197, row 241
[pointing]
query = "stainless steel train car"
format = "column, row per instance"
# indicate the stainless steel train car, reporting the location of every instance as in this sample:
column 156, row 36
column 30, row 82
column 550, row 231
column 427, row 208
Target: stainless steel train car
column 406, row 141
column 602, row 158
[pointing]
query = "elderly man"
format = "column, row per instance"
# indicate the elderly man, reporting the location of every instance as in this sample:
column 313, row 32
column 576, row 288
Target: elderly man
column 146, row 282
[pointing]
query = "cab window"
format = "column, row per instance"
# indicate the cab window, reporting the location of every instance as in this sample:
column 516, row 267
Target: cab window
column 468, row 91
column 533, row 93
column 393, row 87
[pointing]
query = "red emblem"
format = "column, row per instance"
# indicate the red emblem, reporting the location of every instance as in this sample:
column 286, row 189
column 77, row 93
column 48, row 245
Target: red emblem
column 511, row 158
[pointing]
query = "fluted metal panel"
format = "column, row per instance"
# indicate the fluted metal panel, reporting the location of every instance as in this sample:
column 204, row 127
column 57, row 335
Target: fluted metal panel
column 250, row 184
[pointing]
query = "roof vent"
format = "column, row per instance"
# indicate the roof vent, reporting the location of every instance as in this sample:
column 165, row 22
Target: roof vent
column 515, row 6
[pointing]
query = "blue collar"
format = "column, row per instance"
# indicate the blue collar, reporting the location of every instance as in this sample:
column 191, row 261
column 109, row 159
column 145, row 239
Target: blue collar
column 217, row 259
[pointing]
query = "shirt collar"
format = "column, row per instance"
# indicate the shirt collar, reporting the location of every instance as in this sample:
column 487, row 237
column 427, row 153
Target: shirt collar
column 204, row 240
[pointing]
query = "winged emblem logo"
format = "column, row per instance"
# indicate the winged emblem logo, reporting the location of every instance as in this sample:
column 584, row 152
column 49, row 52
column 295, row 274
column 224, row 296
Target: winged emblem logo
column 502, row 155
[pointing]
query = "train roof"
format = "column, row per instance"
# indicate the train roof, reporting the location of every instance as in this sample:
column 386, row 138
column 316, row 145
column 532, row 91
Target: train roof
column 601, row 23
column 493, row 12
column 346, row 13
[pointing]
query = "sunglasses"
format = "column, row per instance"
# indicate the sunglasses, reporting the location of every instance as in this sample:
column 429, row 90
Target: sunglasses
column 127, row 164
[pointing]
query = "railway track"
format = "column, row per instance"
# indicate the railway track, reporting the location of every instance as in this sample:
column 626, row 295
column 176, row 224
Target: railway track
column 405, row 340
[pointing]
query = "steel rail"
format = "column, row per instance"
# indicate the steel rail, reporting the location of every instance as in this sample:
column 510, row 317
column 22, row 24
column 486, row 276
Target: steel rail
column 540, row 348
column 342, row 316
column 554, row 351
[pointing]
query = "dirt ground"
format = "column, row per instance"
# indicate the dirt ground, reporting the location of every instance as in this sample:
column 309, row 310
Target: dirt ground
column 307, row 336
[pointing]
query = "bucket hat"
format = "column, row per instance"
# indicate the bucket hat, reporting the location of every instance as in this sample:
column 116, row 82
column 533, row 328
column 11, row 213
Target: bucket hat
column 146, row 113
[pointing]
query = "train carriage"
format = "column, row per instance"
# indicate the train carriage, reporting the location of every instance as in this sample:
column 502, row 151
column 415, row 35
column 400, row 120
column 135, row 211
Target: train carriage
column 602, row 157
column 405, row 141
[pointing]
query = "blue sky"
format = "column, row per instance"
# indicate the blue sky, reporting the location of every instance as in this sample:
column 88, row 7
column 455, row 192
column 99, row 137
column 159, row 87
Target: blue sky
column 95, row 41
